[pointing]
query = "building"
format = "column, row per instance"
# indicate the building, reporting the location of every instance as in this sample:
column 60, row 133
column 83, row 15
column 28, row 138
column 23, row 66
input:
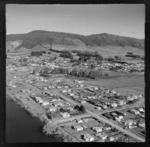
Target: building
column 119, row 118
column 83, row 102
column 141, row 110
column 86, row 120
column 88, row 137
column 39, row 99
column 142, row 125
column 64, row 91
column 98, row 129
column 44, row 103
column 65, row 114
column 107, row 128
column 52, row 109
column 103, row 136
column 79, row 121
column 129, row 98
column 111, row 138
column 130, row 123
column 135, row 111
column 99, row 108
column 122, row 102
column 78, row 128
column 114, row 105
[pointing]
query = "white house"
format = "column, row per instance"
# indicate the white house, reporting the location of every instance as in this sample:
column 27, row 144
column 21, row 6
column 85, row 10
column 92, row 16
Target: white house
column 98, row 129
column 78, row 128
column 88, row 137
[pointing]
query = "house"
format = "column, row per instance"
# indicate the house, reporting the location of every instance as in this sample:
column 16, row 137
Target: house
column 107, row 128
column 70, row 108
column 52, row 109
column 141, row 110
column 64, row 91
column 114, row 105
column 132, row 126
column 78, row 128
column 119, row 118
column 98, row 129
column 122, row 102
column 88, row 137
column 58, row 104
column 129, row 123
column 85, row 119
column 45, row 103
column 135, row 111
column 68, row 104
column 129, row 98
column 65, row 114
column 113, row 91
column 72, row 94
column 39, row 99
column 135, row 96
column 104, row 106
column 103, row 136
column 98, row 108
column 66, row 87
column 81, row 85
column 96, row 88
column 114, row 114
column 79, row 121
column 83, row 102
column 142, row 125
column 111, row 138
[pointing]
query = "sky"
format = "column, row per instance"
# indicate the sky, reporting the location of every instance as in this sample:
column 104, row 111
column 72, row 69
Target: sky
column 120, row 19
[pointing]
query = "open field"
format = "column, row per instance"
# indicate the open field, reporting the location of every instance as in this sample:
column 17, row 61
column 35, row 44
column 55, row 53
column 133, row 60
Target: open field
column 120, row 82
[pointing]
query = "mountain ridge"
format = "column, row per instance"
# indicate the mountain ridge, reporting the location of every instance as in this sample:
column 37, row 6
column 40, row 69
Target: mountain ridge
column 104, row 39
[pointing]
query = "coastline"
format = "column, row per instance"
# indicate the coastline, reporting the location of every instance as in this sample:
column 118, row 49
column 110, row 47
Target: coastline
column 47, row 129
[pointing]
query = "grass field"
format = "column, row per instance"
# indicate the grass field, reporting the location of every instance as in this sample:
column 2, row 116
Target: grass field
column 133, row 84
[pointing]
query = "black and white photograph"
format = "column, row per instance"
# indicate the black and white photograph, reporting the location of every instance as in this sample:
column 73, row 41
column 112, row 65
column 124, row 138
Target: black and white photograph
column 75, row 73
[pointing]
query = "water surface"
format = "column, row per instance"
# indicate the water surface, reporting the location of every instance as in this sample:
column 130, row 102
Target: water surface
column 21, row 127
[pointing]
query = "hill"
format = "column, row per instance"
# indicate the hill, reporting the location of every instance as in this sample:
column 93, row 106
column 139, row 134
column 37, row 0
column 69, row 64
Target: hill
column 40, row 37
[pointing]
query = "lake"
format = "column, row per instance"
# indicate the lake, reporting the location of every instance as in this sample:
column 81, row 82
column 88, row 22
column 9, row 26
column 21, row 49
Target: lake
column 21, row 127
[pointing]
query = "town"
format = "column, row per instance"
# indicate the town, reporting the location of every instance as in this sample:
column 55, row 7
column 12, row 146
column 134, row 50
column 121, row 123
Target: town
column 55, row 86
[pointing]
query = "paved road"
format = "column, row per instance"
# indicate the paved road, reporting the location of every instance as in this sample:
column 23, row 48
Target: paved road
column 125, row 107
column 96, row 116
column 116, row 126
column 71, row 118
column 104, row 119
column 64, row 97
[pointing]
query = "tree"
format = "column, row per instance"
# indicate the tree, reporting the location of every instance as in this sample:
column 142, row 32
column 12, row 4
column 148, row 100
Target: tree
column 55, row 71
column 44, row 72
column 91, row 74
column 74, row 72
column 36, row 53
column 117, row 58
column 99, row 58
column 80, row 108
column 51, row 42
column 110, row 59
column 92, row 66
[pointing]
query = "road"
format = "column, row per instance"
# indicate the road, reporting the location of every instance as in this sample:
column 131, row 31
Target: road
column 125, row 107
column 101, row 118
column 71, row 118
column 116, row 126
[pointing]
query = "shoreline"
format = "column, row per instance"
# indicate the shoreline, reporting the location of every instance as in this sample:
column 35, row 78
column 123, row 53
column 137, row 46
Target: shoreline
column 47, row 128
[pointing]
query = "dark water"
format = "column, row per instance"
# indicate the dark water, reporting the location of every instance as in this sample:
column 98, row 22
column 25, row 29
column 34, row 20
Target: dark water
column 21, row 127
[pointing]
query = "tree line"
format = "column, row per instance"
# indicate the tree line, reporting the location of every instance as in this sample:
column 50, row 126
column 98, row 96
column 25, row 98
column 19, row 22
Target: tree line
column 37, row 53
column 84, row 73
